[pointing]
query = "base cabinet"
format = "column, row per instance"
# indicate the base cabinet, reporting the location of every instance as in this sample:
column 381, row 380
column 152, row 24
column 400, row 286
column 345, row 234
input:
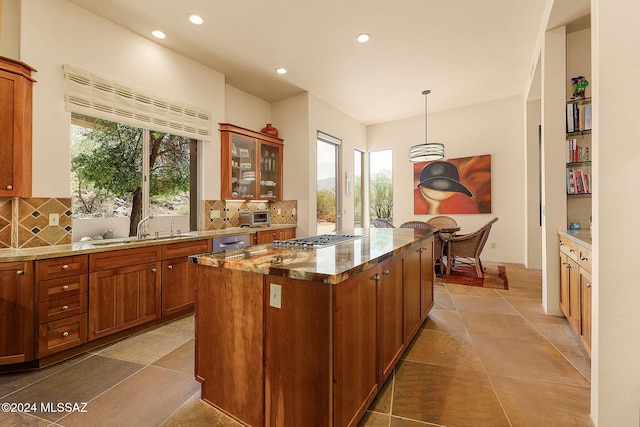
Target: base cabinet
column 575, row 288
column 124, row 290
column 268, row 236
column 17, row 312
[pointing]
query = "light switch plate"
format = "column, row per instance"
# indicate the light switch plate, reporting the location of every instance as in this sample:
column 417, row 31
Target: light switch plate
column 215, row 214
column 54, row 219
column 275, row 295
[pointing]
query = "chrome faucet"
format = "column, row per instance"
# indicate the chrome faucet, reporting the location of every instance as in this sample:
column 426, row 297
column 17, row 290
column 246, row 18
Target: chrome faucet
column 140, row 224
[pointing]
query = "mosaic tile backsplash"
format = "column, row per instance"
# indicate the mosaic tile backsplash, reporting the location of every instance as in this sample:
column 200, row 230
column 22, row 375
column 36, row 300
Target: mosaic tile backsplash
column 219, row 214
column 24, row 223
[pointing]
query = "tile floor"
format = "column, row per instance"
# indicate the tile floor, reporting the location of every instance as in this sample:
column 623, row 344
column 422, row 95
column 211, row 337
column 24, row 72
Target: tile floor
column 484, row 358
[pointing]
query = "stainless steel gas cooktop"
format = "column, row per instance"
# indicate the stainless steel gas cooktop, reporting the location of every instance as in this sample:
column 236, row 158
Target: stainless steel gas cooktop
column 315, row 242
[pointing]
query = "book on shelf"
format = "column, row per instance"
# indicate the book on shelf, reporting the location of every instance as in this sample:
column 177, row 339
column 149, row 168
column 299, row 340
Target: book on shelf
column 576, row 153
column 578, row 116
column 578, row 181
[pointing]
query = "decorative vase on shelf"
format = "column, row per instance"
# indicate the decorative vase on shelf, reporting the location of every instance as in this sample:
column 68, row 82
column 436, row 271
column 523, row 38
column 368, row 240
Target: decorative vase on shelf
column 270, row 130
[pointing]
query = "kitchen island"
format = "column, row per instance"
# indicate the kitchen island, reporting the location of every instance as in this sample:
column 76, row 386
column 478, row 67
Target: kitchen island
column 306, row 335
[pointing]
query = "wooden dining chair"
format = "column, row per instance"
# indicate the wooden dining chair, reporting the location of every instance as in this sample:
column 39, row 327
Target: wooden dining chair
column 418, row 224
column 468, row 246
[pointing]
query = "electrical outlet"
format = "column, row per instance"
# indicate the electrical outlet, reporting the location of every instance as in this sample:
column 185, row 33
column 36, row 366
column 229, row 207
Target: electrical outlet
column 275, row 295
column 214, row 214
column 54, row 219
column 293, row 211
column 279, row 211
column 493, row 245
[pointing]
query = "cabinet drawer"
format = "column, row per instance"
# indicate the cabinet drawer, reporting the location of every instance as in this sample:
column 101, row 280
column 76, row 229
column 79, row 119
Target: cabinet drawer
column 63, row 288
column 63, row 307
column 585, row 259
column 123, row 258
column 569, row 248
column 62, row 334
column 181, row 249
column 62, row 267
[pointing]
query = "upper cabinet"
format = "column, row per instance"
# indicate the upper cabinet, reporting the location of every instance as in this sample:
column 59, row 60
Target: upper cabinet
column 15, row 128
column 251, row 164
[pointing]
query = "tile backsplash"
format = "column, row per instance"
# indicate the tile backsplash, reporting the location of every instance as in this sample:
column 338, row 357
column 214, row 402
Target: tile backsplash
column 6, row 219
column 219, row 214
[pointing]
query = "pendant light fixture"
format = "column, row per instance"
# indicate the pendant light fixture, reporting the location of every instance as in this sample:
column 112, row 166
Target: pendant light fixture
column 429, row 150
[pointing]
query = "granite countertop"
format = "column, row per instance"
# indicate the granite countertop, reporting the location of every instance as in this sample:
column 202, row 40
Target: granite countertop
column 79, row 248
column 581, row 237
column 331, row 264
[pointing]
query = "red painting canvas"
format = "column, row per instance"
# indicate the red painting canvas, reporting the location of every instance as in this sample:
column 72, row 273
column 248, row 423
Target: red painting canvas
column 453, row 186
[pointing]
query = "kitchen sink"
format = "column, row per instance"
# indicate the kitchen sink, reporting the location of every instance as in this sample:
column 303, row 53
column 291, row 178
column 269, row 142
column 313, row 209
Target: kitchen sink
column 127, row 240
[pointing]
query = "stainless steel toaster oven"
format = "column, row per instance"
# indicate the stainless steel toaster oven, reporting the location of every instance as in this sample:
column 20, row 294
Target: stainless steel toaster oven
column 255, row 218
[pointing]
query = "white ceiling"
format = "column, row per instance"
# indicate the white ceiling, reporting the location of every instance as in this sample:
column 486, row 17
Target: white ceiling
column 464, row 51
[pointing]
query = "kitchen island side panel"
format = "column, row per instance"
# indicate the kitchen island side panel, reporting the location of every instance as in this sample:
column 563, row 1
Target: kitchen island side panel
column 229, row 342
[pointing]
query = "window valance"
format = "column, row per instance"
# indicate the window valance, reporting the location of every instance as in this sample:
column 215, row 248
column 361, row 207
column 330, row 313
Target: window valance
column 95, row 96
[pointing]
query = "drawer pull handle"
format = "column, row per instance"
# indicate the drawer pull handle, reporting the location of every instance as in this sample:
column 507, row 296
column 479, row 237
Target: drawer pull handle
column 65, row 267
column 588, row 285
column 65, row 334
column 571, row 250
column 376, row 277
column 170, row 267
column 584, row 258
column 385, row 272
column 65, row 307
column 9, row 187
column 65, row 288
column 19, row 272
column 153, row 270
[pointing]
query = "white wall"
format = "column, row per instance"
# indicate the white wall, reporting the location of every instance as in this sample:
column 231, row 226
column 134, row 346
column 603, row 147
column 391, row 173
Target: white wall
column 246, row 110
column 494, row 128
column 97, row 45
column 615, row 390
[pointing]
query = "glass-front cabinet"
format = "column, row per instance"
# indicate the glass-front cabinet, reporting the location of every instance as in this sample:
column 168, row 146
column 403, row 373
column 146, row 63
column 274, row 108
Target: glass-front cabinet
column 251, row 164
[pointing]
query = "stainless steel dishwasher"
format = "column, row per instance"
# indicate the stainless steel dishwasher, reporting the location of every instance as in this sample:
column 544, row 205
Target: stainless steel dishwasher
column 225, row 243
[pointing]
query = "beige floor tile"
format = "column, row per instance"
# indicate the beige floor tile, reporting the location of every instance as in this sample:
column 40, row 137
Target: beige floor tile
column 18, row 419
column 145, row 399
column 442, row 299
column 374, row 419
column 382, row 402
column 443, row 349
column 78, row 383
column 482, row 303
column 181, row 359
column 471, row 290
column 524, row 306
column 540, row 403
column 499, row 325
column 444, row 320
column 445, row 396
column 148, row 347
column 526, row 359
column 197, row 413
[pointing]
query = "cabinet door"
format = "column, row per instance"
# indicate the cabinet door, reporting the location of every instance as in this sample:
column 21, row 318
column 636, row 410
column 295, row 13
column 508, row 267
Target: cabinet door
column 178, row 285
column 574, row 294
column 564, row 284
column 123, row 297
column 412, row 291
column 286, row 234
column 585, row 309
column 391, row 315
column 270, row 180
column 15, row 134
column 17, row 312
column 355, row 338
column 426, row 278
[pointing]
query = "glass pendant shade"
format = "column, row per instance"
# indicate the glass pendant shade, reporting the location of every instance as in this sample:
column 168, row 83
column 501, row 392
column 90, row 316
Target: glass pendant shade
column 428, row 151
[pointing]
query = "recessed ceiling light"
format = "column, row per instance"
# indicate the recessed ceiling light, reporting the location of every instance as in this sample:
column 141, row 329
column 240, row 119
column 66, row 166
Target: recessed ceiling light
column 196, row 19
column 281, row 70
column 363, row 38
column 158, row 34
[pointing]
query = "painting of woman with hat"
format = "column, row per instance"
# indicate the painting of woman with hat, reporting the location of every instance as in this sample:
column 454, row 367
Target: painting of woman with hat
column 455, row 186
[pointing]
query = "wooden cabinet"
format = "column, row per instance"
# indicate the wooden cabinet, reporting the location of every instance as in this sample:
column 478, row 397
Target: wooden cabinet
column 575, row 288
column 418, row 285
column 15, row 128
column 124, row 289
column 17, row 312
column 62, row 285
column 179, row 275
column 268, row 236
column 391, row 315
column 251, row 164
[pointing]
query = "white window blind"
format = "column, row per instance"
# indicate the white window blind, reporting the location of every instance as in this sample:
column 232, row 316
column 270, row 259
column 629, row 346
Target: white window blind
column 328, row 138
column 95, row 96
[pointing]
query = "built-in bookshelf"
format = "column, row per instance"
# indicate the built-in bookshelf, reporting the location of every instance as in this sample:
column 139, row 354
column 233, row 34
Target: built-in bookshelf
column 578, row 147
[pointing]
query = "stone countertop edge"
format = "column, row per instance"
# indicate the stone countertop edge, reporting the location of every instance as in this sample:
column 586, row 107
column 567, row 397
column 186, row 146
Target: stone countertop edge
column 306, row 264
column 80, row 248
column 581, row 237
